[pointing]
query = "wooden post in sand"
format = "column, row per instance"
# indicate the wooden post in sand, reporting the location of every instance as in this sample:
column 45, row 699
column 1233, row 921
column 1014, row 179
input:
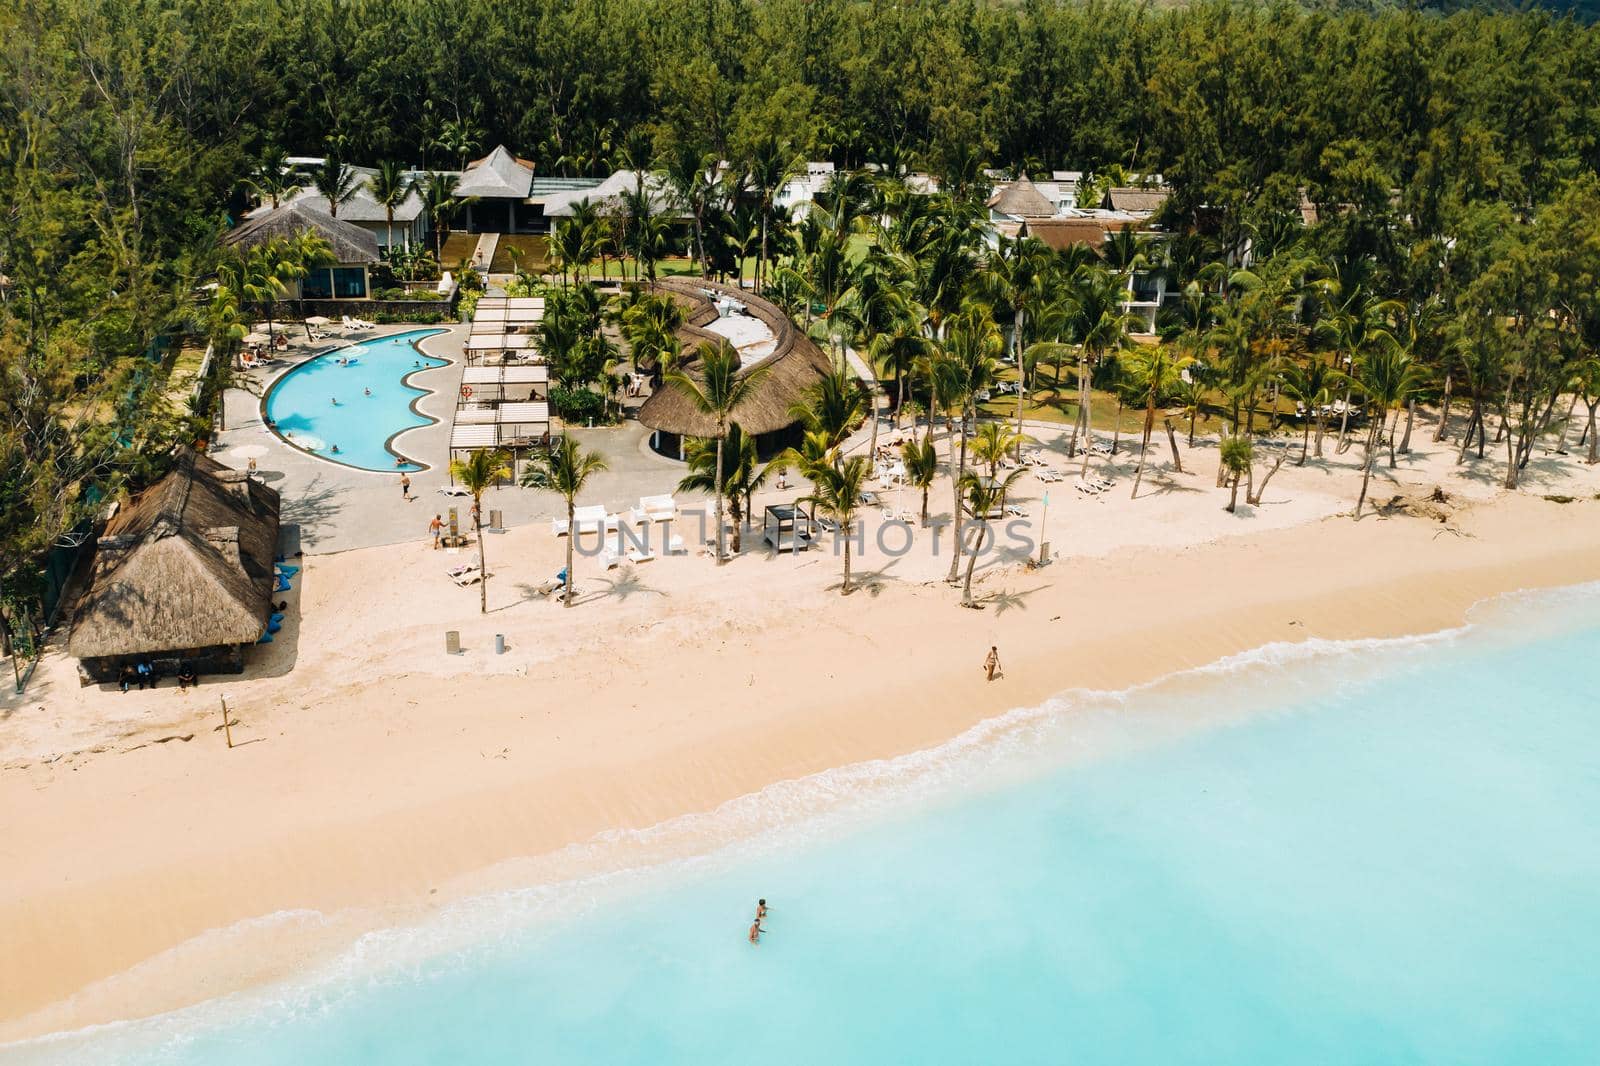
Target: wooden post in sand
column 227, row 729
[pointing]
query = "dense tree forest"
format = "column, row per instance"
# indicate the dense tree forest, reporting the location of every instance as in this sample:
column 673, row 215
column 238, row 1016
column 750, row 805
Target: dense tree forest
column 128, row 126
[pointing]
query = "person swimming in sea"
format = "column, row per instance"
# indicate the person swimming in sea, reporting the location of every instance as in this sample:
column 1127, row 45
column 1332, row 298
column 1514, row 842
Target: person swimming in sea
column 334, row 400
column 755, row 931
column 367, row 391
column 761, row 909
column 335, row 449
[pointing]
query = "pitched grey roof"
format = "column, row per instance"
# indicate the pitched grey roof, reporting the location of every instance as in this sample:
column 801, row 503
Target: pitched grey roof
column 359, row 208
column 350, row 243
column 607, row 195
column 1022, row 199
column 499, row 175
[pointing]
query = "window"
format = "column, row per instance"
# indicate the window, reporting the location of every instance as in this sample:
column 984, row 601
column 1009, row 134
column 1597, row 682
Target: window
column 316, row 285
column 350, row 283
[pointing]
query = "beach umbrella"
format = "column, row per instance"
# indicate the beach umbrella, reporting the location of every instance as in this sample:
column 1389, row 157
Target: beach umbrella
column 257, row 338
column 319, row 320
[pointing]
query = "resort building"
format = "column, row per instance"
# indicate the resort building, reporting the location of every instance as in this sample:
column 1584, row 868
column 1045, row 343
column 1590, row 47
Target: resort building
column 410, row 226
column 794, row 364
column 355, row 250
column 182, row 576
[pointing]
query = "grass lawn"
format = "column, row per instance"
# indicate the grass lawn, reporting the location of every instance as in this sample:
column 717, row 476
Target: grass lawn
column 532, row 252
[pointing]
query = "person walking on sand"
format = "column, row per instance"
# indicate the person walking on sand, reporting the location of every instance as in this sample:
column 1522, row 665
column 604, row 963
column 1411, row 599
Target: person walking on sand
column 405, row 487
column 991, row 663
column 436, row 527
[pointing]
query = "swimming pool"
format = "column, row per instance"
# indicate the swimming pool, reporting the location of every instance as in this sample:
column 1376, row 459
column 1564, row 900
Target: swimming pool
column 357, row 407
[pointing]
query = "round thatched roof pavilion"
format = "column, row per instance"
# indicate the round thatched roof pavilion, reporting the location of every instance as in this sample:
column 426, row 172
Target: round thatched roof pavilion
column 794, row 365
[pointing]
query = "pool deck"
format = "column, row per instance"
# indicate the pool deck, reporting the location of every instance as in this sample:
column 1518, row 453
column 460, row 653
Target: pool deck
column 340, row 508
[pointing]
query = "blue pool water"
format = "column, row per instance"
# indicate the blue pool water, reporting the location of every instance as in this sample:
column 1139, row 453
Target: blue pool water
column 1375, row 853
column 374, row 402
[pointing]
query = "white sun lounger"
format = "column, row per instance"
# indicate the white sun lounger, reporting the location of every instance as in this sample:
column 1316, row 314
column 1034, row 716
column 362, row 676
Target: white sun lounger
column 637, row 556
column 470, row 576
column 454, row 490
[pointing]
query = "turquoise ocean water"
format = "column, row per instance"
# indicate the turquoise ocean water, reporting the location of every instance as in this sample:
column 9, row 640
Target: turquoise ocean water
column 374, row 402
column 1382, row 852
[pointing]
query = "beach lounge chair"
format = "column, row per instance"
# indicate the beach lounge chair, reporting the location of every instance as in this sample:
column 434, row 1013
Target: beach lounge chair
column 1013, row 511
column 470, row 576
column 454, row 490
column 545, row 588
column 462, row 568
column 355, row 325
column 588, row 520
column 638, row 556
column 1048, row 475
column 675, row 545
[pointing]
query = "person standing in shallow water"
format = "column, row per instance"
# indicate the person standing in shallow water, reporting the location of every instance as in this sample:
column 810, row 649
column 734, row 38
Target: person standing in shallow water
column 991, row 664
column 755, row 931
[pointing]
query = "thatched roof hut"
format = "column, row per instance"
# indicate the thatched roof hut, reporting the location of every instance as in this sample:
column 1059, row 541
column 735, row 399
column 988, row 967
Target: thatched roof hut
column 1021, row 199
column 796, row 363
column 1136, row 201
column 350, row 243
column 183, row 571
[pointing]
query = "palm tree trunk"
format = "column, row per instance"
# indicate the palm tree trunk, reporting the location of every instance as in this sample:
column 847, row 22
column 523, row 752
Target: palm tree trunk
column 1594, row 444
column 483, row 560
column 1344, row 423
column 1411, row 414
column 572, row 535
column 721, row 433
column 1444, row 411
column 1144, row 446
column 1322, row 423
column 1233, row 498
column 1194, row 413
column 1022, row 384
column 1172, row 442
column 1566, row 426
column 1305, row 443
column 1366, row 461
column 845, row 590
column 972, row 564
column 1394, row 431
column 955, row 491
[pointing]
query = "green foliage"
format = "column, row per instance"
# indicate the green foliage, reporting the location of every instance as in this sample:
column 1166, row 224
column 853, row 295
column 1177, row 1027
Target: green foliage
column 579, row 406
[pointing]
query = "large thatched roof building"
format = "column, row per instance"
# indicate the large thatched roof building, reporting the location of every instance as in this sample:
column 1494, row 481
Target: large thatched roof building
column 182, row 574
column 354, row 249
column 794, row 365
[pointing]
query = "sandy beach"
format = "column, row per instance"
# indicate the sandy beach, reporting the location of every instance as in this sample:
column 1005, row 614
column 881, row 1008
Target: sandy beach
column 374, row 777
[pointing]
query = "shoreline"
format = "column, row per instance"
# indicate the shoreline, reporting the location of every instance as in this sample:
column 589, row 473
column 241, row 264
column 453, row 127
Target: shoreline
column 377, row 818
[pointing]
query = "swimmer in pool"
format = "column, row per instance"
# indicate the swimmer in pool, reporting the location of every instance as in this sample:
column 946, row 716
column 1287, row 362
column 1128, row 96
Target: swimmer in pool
column 367, row 391
column 335, row 449
column 334, row 401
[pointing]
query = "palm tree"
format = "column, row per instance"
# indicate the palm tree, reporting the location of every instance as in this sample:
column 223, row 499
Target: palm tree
column 970, row 356
column 1237, row 454
column 1019, row 275
column 337, row 182
column 992, row 442
column 439, row 197
column 772, row 163
column 565, row 469
column 1311, row 385
column 1586, row 381
column 1153, row 375
column 742, row 479
column 271, row 179
column 833, row 406
column 984, row 496
column 478, row 473
column 1191, row 395
column 688, row 173
column 718, row 393
column 1388, row 376
column 1104, row 329
column 389, row 187
column 922, row 466
column 836, row 492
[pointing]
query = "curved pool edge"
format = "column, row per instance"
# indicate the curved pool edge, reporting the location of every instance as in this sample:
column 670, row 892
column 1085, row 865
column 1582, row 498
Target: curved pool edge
column 424, row 332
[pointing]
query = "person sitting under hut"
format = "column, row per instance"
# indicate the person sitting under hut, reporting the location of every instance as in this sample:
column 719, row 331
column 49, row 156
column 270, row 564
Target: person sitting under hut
column 186, row 677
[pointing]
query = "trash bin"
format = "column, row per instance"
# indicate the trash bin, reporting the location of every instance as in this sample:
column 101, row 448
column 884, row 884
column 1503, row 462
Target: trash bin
column 499, row 643
column 452, row 642
column 494, row 522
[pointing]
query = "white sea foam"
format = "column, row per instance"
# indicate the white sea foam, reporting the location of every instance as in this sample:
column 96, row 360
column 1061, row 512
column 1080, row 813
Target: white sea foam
column 789, row 815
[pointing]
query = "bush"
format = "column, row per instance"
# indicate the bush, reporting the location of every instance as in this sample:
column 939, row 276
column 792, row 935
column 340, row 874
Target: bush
column 467, row 305
column 578, row 406
column 421, row 318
